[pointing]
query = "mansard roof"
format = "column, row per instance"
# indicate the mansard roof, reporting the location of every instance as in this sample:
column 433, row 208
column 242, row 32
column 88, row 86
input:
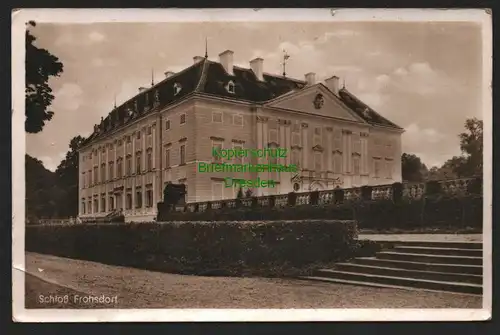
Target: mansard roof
column 210, row 78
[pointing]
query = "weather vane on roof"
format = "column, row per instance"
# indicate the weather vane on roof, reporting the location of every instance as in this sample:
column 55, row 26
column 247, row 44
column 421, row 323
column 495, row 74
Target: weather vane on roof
column 152, row 78
column 285, row 58
column 114, row 107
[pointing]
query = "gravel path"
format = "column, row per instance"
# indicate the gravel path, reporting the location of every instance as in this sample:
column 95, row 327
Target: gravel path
column 136, row 288
column 423, row 237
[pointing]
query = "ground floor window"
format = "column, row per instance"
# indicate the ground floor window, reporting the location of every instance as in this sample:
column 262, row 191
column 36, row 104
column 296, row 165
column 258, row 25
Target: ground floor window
column 217, row 190
column 103, row 204
column 83, row 207
column 111, row 204
column 128, row 204
column 138, row 199
column 149, row 198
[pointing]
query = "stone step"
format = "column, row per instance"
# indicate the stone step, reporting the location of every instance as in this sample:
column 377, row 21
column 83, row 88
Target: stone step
column 422, row 266
column 438, row 251
column 403, row 281
column 406, row 273
column 363, row 282
column 437, row 244
column 439, row 259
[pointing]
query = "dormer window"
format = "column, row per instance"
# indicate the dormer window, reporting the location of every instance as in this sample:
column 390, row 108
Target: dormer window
column 230, row 87
column 177, row 88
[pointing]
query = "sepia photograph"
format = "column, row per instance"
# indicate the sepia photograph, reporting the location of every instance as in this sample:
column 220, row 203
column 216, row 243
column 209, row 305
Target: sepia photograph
column 251, row 165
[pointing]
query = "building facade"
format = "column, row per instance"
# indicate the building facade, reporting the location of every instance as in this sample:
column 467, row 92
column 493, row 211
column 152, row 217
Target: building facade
column 165, row 131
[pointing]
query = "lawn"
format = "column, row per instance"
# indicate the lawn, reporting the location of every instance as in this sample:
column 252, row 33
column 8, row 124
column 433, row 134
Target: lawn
column 137, row 288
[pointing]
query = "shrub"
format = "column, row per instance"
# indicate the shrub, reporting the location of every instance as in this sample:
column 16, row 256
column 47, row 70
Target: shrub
column 225, row 248
column 432, row 187
column 366, row 193
column 443, row 212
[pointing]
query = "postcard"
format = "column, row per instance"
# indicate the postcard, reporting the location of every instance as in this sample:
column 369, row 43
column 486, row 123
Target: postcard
column 251, row 165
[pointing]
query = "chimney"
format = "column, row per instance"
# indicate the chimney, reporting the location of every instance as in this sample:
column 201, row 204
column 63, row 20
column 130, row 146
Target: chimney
column 142, row 89
column 257, row 67
column 197, row 59
column 169, row 74
column 226, row 59
column 310, row 78
column 333, row 84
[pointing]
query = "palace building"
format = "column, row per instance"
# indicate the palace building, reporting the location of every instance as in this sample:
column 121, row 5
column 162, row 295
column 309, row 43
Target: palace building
column 164, row 132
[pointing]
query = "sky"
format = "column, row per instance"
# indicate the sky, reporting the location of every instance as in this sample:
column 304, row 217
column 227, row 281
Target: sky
column 426, row 77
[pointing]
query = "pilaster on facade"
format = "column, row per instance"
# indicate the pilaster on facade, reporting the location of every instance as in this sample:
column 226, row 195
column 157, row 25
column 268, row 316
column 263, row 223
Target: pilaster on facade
column 305, row 146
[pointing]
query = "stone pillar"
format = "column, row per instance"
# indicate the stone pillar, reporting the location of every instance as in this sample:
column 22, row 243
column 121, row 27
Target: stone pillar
column 305, row 146
column 134, row 165
column 364, row 153
column 153, row 153
column 288, row 142
column 124, row 198
column 115, row 165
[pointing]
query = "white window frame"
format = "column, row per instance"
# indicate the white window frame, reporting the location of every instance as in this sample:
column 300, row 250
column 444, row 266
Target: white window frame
column 316, row 159
column 229, row 85
column 213, row 158
column 177, row 88
column 389, row 169
column 238, row 116
column 238, row 160
column 215, row 185
column 221, row 116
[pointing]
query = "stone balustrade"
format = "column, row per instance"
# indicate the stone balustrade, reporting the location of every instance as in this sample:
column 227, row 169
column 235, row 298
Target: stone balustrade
column 458, row 187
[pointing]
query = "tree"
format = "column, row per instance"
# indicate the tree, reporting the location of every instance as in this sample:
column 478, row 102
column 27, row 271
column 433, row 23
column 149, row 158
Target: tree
column 471, row 144
column 67, row 179
column 248, row 193
column 42, row 193
column 40, row 66
column 412, row 168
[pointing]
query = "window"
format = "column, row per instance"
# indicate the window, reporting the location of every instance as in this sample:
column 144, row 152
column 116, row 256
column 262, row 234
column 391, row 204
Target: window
column 337, row 163
column 138, row 135
column 149, row 161
column 317, row 136
column 138, row 159
column 237, row 148
column 128, row 165
column 356, row 140
column 177, row 88
column 138, row 199
column 89, row 207
column 317, row 161
column 295, row 159
column 388, row 169
column 182, row 154
column 83, row 207
column 119, row 168
column 129, row 139
column 231, row 87
column 167, row 125
column 183, row 118
column 273, row 135
column 376, row 168
column 95, row 174
column 103, row 173
column 103, row 204
column 149, row 131
column 356, row 166
column 90, row 177
column 238, row 120
column 83, row 180
column 217, row 190
column 337, row 140
column 216, row 146
column 295, row 139
column 167, row 158
column 217, row 117
column 128, row 204
column 96, row 206
column 149, row 198
column 111, row 167
column 111, row 203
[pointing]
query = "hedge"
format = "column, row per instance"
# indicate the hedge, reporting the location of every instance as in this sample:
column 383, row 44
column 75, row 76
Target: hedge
column 203, row 248
column 437, row 211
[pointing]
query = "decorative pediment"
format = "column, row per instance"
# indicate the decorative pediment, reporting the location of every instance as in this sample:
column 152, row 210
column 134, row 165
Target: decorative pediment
column 318, row 148
column 296, row 147
column 317, row 100
column 356, row 154
column 272, row 144
column 337, row 152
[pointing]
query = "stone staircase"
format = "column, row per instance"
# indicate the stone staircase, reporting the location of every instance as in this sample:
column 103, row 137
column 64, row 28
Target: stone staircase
column 435, row 266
